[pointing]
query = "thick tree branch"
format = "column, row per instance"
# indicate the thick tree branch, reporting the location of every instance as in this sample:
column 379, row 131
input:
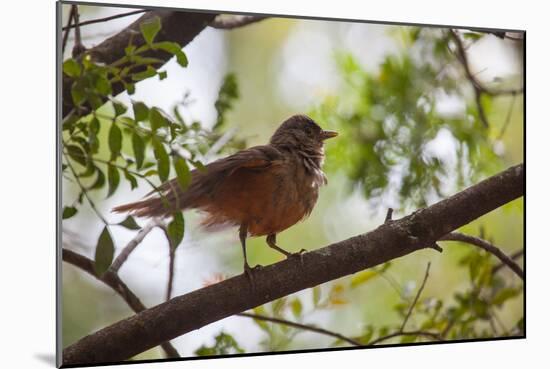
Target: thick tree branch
column 180, row 27
column 456, row 236
column 391, row 240
column 112, row 280
column 235, row 21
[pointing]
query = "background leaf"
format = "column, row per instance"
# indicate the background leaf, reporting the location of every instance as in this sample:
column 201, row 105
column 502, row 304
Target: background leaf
column 129, row 223
column 104, row 252
column 176, row 229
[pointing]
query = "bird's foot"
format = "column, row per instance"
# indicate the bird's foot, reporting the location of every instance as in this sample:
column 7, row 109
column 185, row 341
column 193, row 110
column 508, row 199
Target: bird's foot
column 299, row 254
column 249, row 273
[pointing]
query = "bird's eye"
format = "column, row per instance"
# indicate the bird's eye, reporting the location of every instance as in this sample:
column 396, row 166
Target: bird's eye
column 309, row 131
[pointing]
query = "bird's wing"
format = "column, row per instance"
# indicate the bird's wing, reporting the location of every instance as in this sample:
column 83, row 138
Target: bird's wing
column 203, row 183
column 257, row 157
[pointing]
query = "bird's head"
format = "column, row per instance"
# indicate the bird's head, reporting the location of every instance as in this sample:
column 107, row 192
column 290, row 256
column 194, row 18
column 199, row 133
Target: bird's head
column 302, row 132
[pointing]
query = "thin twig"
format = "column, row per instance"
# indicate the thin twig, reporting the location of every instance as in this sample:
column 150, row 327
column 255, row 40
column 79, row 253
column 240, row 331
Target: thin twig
column 66, row 29
column 388, row 215
column 479, row 88
column 508, row 118
column 485, row 245
column 432, row 335
column 131, row 246
column 463, row 59
column 235, row 21
column 301, row 326
column 172, row 255
column 84, row 190
column 112, row 280
column 426, row 275
column 98, row 20
column 78, row 47
column 514, row 256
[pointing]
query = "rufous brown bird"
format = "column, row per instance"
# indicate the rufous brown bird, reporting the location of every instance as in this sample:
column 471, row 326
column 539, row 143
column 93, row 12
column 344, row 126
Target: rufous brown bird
column 263, row 190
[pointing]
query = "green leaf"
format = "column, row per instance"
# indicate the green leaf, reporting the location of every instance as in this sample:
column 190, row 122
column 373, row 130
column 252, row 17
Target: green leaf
column 104, row 252
column 182, row 171
column 362, row 277
column 113, row 177
column 149, row 29
column 71, row 68
column 163, row 161
column 157, row 119
column 130, row 87
column 296, row 306
column 78, row 92
column 68, row 212
column 152, row 172
column 130, row 178
column 115, row 140
column 225, row 344
column 100, row 180
column 129, row 223
column 92, row 135
column 228, row 93
column 505, row 294
column 103, row 85
column 138, row 145
column 147, row 73
column 175, row 49
column 77, row 154
column 120, row 108
column 141, row 111
column 176, row 230
column 129, row 50
column 162, row 75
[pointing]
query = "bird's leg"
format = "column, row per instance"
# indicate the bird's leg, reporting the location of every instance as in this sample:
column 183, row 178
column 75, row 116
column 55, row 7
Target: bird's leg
column 271, row 242
column 243, row 232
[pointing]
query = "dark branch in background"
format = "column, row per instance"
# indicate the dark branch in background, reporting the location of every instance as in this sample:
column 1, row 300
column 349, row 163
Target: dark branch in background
column 479, row 88
column 180, row 27
column 456, row 236
column 234, row 21
column 392, row 240
column 112, row 280
column 106, row 19
column 427, row 274
column 66, row 29
column 514, row 256
column 78, row 47
column 508, row 118
column 301, row 326
column 431, row 335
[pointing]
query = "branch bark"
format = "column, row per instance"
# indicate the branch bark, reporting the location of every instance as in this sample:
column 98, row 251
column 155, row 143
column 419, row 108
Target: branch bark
column 180, row 27
column 391, row 240
column 112, row 280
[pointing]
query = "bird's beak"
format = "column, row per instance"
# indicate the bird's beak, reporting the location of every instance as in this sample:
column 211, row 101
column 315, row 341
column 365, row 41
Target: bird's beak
column 325, row 135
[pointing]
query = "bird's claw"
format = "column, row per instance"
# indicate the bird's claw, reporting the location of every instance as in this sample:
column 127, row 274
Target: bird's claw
column 299, row 254
column 249, row 273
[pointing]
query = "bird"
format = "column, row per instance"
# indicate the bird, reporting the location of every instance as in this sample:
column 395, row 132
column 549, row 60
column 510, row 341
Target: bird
column 262, row 190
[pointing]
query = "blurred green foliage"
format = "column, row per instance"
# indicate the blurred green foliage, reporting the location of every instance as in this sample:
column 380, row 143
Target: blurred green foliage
column 388, row 118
